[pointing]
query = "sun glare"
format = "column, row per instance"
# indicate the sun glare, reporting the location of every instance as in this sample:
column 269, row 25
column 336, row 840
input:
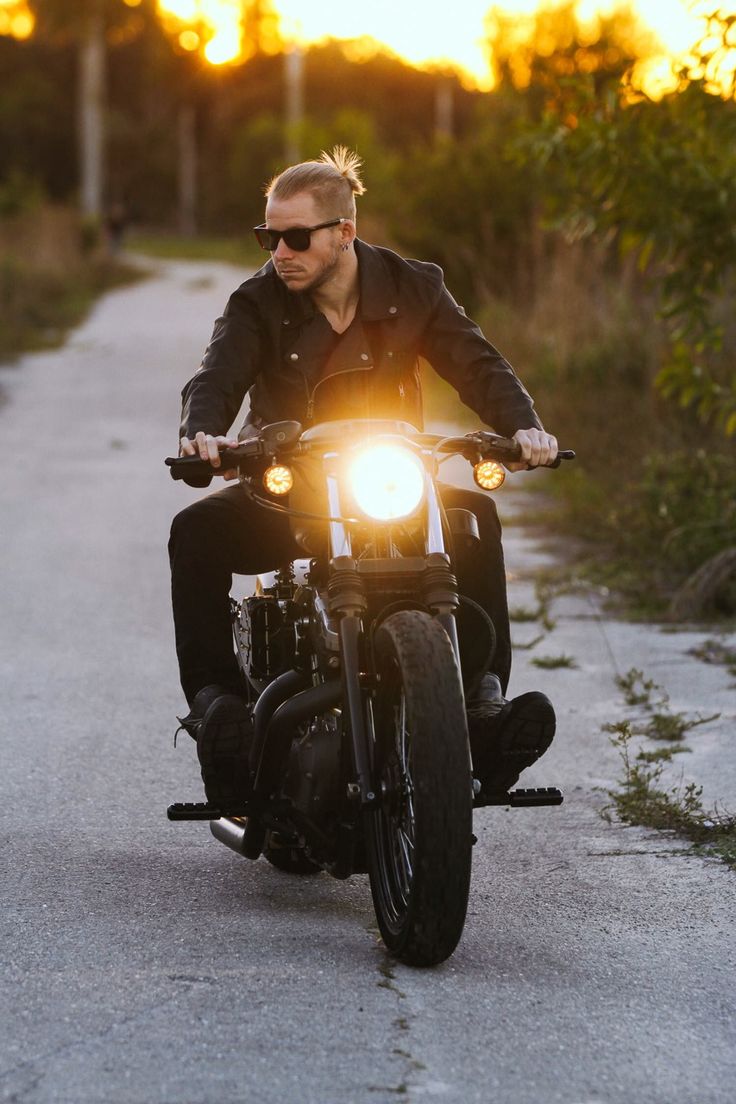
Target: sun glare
column 455, row 36
column 217, row 25
column 16, row 19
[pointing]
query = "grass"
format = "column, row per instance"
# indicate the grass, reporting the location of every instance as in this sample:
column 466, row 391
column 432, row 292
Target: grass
column 641, row 800
column 713, row 650
column 52, row 267
column 38, row 308
column 662, row 723
column 552, row 663
column 236, row 250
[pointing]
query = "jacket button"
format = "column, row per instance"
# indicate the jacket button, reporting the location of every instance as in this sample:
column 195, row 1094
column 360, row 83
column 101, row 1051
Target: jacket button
column 363, row 356
column 294, row 356
column 286, row 322
column 392, row 310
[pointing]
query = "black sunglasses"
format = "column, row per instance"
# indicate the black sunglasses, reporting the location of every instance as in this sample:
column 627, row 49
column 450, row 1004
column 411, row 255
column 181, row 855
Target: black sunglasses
column 297, row 238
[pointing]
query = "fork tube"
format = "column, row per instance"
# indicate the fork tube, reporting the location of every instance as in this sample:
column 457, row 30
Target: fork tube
column 339, row 536
column 349, row 630
column 435, row 537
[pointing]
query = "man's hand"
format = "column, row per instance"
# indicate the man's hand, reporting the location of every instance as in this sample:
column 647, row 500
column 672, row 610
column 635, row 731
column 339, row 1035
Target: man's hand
column 537, row 449
column 208, row 447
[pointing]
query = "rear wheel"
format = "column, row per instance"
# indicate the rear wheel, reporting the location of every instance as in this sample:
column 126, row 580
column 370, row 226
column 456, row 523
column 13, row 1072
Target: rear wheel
column 420, row 834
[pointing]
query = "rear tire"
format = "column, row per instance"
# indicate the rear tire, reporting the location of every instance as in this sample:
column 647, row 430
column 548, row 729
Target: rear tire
column 420, row 834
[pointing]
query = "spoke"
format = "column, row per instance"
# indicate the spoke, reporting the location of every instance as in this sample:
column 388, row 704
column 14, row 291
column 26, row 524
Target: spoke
column 405, row 859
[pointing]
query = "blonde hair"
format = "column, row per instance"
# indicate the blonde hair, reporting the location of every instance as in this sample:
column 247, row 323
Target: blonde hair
column 333, row 180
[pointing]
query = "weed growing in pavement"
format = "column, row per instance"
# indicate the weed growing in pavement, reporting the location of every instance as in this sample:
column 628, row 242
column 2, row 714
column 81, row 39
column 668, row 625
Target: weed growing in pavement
column 713, row 650
column 523, row 613
column 551, row 663
column 642, row 801
column 636, row 689
column 530, row 644
column 662, row 723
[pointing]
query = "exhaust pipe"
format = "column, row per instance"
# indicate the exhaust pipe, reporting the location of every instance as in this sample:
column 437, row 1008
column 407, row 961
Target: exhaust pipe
column 277, row 723
column 282, row 726
column 277, row 692
column 230, row 832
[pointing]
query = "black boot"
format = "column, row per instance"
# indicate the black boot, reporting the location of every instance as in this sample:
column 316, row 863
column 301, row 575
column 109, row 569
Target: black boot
column 221, row 723
column 506, row 737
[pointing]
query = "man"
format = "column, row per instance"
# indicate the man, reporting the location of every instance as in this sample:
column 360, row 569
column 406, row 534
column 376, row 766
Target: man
column 332, row 327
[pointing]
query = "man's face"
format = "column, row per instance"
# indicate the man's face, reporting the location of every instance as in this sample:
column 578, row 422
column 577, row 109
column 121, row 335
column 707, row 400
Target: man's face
column 308, row 270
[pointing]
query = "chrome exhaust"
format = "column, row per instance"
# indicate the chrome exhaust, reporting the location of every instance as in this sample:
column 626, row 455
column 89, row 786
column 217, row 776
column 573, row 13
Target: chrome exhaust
column 230, row 832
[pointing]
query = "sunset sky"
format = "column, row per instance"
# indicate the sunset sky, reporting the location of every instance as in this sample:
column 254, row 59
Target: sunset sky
column 419, row 35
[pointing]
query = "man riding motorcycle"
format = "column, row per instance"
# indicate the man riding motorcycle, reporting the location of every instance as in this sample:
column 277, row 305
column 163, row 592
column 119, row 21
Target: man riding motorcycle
column 329, row 328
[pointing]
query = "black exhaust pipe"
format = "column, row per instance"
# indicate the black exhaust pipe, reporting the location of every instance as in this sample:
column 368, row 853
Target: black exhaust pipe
column 282, row 729
column 275, row 728
column 277, row 692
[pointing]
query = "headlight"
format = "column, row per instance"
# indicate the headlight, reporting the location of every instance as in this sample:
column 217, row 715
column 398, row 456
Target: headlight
column 387, row 482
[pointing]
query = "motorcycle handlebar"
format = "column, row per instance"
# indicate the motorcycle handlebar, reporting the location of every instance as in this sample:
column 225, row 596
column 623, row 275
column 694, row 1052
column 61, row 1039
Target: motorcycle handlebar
column 493, row 447
column 199, row 473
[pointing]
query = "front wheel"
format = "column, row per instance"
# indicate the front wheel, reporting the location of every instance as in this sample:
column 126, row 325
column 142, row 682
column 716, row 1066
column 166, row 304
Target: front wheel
column 420, row 833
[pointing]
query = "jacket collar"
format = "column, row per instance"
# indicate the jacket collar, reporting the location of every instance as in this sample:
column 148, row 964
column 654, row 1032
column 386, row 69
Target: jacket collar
column 378, row 292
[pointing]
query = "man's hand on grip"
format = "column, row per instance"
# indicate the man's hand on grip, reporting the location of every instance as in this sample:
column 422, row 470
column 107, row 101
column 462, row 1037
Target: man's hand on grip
column 538, row 448
column 208, row 447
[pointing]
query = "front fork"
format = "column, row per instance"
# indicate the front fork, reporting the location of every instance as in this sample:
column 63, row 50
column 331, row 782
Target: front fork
column 347, row 601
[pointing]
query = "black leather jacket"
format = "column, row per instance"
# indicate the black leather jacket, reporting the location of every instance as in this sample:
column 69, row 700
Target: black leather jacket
column 266, row 343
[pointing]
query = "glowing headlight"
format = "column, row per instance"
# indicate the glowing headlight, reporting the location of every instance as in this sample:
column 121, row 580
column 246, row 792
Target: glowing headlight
column 278, row 479
column 387, row 482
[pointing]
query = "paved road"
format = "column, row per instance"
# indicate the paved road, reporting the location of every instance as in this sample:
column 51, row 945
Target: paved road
column 144, row 963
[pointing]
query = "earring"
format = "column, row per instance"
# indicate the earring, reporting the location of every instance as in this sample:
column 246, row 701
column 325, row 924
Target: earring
column 345, row 246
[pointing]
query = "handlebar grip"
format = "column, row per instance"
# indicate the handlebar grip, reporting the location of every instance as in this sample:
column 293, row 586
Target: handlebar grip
column 563, row 454
column 194, row 472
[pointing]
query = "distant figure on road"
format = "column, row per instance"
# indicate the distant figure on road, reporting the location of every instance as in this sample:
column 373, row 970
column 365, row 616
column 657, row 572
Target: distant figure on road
column 115, row 224
column 331, row 327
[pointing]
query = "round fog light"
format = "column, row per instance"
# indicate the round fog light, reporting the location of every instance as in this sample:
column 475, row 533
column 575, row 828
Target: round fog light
column 278, row 479
column 489, row 475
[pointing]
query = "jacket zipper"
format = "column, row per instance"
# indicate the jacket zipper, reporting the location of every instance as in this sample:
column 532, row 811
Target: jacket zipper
column 342, row 372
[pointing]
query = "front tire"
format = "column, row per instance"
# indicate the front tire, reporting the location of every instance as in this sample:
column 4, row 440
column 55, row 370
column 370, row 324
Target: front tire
column 420, row 834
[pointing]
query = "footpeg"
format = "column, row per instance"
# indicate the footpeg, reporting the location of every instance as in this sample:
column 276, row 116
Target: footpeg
column 193, row 810
column 542, row 795
column 520, row 799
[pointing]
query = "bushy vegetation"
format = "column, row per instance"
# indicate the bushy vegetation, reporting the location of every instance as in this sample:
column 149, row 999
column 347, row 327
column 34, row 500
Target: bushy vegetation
column 51, row 269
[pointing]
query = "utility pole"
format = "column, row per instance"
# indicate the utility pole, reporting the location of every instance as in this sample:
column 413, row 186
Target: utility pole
column 187, row 148
column 444, row 109
column 91, row 114
column 294, row 101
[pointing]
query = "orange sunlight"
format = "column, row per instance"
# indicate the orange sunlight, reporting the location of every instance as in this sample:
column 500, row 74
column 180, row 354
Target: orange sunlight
column 457, row 39
column 217, row 29
column 16, row 19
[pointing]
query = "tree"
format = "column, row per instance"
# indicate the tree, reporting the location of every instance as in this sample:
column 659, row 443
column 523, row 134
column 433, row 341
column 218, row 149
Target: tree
column 661, row 178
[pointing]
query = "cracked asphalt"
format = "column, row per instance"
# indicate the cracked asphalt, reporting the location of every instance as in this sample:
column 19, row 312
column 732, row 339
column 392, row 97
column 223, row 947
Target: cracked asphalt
column 144, row 963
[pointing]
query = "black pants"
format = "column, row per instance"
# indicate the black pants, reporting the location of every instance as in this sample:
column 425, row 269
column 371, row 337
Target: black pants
column 226, row 533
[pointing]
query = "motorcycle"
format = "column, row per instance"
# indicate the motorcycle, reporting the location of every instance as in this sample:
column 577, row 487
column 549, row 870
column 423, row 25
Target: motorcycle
column 360, row 757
